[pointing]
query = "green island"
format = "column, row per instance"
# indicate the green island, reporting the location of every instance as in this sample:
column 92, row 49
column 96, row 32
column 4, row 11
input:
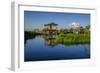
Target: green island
column 64, row 36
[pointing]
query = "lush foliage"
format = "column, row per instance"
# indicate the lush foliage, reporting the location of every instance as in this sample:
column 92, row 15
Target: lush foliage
column 73, row 38
column 67, row 39
column 30, row 35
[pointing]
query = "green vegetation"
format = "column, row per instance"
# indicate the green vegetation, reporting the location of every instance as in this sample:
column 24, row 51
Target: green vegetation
column 66, row 39
column 30, row 35
column 71, row 38
column 75, row 35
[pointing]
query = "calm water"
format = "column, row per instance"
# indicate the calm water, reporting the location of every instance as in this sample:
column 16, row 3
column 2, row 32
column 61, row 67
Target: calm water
column 39, row 49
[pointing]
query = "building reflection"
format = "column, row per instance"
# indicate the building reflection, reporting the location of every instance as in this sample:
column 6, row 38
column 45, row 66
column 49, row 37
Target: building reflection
column 49, row 40
column 50, row 33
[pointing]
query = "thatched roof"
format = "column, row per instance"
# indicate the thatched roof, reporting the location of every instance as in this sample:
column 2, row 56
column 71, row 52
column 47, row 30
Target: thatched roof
column 51, row 24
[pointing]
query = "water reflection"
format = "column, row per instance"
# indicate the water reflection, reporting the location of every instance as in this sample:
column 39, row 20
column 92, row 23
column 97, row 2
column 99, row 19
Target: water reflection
column 42, row 48
column 49, row 40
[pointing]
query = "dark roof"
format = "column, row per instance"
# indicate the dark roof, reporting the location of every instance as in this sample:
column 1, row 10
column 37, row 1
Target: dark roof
column 51, row 24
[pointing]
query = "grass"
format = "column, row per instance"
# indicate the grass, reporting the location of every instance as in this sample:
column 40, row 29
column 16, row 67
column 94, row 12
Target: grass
column 66, row 39
column 71, row 38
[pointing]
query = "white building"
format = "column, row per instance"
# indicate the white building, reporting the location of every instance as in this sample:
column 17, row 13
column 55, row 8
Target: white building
column 75, row 27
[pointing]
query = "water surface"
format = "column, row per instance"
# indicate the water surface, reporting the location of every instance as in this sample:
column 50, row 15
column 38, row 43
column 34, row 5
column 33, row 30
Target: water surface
column 38, row 49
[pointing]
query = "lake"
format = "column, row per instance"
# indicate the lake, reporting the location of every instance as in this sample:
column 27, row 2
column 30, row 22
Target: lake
column 40, row 49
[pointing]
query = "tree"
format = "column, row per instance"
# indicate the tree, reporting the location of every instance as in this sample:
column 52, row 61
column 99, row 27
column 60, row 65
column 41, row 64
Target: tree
column 87, row 27
column 81, row 29
column 63, row 31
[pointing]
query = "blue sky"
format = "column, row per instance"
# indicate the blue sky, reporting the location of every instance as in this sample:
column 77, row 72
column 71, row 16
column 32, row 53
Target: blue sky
column 36, row 19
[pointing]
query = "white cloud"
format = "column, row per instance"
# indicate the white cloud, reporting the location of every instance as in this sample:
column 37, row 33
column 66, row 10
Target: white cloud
column 75, row 25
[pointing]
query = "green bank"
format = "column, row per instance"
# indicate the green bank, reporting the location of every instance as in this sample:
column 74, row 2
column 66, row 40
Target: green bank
column 72, row 38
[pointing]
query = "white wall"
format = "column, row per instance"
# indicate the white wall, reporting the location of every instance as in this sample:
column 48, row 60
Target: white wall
column 5, row 34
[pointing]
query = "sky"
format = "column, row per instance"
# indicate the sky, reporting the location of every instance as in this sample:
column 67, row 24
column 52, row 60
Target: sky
column 36, row 19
